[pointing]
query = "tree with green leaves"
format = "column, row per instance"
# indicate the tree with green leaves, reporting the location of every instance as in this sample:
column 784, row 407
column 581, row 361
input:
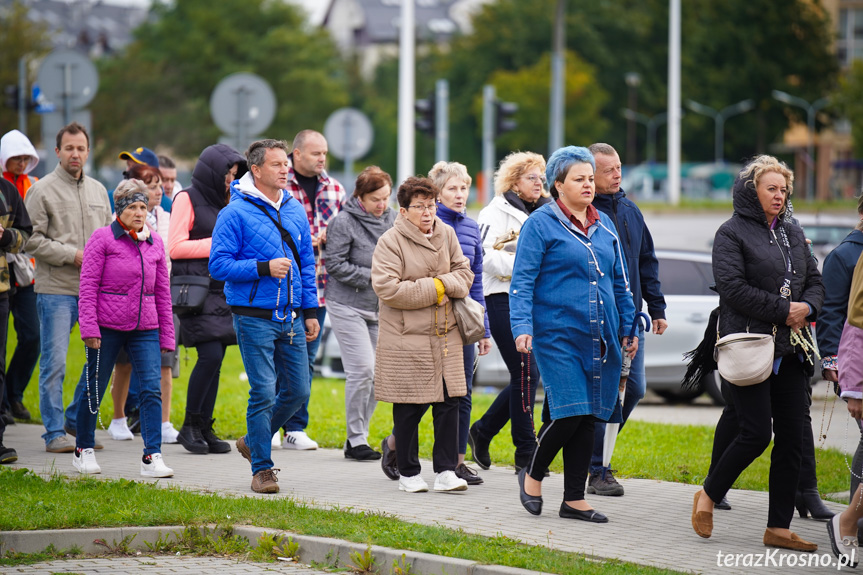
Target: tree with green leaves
column 157, row 91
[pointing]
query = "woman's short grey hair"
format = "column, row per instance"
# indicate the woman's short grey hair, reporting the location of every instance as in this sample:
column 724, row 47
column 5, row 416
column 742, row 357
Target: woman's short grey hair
column 562, row 160
column 442, row 172
column 128, row 192
column 258, row 150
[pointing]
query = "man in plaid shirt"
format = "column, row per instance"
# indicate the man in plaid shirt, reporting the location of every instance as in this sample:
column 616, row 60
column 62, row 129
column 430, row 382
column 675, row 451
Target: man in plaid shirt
column 322, row 196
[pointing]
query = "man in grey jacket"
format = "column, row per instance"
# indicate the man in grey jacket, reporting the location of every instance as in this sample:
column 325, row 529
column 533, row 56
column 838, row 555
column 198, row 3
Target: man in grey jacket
column 66, row 207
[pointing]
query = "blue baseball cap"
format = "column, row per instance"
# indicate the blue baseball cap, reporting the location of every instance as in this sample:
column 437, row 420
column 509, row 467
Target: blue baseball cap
column 141, row 156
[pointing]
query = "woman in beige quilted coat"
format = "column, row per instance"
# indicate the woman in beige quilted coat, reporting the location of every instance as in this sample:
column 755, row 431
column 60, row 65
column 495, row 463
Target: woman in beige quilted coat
column 417, row 267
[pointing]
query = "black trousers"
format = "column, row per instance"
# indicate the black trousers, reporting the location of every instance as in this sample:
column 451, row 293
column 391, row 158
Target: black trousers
column 406, row 420
column 728, row 427
column 777, row 405
column 4, row 321
column 511, row 402
column 204, row 379
column 574, row 436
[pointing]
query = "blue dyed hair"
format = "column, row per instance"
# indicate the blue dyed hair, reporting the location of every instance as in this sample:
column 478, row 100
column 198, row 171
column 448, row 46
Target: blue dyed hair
column 561, row 161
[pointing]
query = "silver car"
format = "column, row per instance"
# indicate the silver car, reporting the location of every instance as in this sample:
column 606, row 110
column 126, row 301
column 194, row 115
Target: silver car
column 686, row 278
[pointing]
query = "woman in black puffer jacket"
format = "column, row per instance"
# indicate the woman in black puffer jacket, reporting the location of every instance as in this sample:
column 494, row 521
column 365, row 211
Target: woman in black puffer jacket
column 752, row 254
column 194, row 213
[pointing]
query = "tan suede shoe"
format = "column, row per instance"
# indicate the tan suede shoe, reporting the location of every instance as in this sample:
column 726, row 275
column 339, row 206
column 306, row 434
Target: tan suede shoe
column 702, row 521
column 794, row 543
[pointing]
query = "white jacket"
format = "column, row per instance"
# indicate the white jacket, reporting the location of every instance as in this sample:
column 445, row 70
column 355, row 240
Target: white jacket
column 495, row 220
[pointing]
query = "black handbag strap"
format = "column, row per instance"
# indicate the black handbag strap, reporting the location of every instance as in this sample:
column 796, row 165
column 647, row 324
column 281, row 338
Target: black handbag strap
column 286, row 236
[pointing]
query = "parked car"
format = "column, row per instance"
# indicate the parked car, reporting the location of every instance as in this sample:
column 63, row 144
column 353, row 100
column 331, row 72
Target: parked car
column 686, row 278
column 825, row 232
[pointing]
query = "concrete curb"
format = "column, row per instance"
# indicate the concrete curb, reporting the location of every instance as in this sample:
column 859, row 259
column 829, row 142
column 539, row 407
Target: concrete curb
column 318, row 549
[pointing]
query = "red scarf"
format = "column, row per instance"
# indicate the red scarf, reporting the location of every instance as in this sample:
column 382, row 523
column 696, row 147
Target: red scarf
column 132, row 233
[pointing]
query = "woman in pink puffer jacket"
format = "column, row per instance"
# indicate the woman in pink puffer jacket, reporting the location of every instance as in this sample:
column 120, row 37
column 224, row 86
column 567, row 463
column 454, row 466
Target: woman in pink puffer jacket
column 124, row 303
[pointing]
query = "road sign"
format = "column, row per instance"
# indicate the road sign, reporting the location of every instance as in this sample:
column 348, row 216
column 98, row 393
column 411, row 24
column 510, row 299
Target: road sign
column 68, row 79
column 243, row 105
column 349, row 134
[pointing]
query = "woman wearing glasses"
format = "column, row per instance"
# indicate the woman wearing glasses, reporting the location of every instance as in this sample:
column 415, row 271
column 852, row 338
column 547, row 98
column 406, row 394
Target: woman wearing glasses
column 417, row 267
column 519, row 187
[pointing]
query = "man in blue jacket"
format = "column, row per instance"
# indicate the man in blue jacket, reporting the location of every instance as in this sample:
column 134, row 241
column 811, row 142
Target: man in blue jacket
column 643, row 269
column 262, row 250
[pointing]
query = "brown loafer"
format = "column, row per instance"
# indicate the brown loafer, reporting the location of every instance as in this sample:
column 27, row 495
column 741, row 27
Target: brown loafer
column 702, row 521
column 794, row 543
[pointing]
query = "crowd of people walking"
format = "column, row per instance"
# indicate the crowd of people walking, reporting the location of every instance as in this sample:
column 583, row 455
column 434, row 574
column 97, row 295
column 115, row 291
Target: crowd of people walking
column 262, row 246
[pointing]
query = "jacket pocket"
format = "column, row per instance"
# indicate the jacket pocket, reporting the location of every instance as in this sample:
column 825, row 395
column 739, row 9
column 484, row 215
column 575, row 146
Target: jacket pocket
column 253, row 291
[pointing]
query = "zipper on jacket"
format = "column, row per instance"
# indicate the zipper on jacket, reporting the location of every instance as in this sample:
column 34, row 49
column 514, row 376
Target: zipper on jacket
column 254, row 290
column 288, row 302
column 141, row 298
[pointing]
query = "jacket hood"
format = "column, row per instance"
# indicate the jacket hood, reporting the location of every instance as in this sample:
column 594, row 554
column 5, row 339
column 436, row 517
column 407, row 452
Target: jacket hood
column 13, row 144
column 367, row 220
column 208, row 176
column 245, row 186
column 745, row 200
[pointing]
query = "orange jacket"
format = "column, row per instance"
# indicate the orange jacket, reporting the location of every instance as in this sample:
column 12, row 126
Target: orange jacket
column 22, row 182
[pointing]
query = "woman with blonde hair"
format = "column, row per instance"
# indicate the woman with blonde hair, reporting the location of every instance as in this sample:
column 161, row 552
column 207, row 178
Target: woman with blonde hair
column 519, row 187
column 768, row 283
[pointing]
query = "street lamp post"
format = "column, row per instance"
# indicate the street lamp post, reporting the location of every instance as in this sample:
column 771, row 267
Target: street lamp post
column 811, row 111
column 652, row 124
column 633, row 81
column 719, row 117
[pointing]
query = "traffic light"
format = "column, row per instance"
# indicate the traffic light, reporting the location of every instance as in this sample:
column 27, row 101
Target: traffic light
column 425, row 119
column 10, row 96
column 504, row 121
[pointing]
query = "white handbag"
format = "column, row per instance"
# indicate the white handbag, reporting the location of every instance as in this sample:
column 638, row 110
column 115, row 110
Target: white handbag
column 744, row 358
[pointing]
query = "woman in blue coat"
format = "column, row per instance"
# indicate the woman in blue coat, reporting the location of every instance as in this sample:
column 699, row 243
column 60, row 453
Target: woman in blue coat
column 453, row 181
column 571, row 306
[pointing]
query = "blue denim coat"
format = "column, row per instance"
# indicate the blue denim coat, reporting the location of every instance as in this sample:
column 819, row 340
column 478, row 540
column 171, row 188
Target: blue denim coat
column 570, row 292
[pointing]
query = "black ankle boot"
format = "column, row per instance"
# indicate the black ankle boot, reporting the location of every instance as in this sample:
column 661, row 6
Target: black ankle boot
column 190, row 435
column 809, row 500
column 214, row 444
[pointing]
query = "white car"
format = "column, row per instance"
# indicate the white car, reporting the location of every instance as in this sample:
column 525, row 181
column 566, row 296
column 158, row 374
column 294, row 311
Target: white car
column 686, row 278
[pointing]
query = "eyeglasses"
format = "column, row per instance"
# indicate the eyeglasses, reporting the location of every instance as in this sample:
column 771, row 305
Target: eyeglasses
column 421, row 208
column 534, row 179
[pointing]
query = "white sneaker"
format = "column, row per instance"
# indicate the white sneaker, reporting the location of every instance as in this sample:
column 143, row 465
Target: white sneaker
column 414, row 484
column 276, row 442
column 156, row 467
column 298, row 440
column 449, row 481
column 169, row 434
column 85, row 461
column 119, row 430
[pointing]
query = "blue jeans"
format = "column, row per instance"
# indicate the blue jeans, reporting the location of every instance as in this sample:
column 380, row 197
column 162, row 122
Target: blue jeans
column 300, row 420
column 58, row 314
column 22, row 306
column 272, row 363
column 144, row 355
column 636, row 385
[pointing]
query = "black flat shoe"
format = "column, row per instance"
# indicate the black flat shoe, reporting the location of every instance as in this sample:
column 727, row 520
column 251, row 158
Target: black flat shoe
column 724, row 505
column 389, row 465
column 593, row 516
column 361, row 453
column 532, row 503
column 462, row 471
column 478, row 448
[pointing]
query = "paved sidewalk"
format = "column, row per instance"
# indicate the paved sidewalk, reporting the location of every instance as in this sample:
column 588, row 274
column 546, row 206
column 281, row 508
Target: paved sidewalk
column 649, row 525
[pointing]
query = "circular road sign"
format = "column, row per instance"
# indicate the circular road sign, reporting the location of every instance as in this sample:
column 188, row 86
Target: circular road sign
column 349, row 133
column 243, row 104
column 68, row 74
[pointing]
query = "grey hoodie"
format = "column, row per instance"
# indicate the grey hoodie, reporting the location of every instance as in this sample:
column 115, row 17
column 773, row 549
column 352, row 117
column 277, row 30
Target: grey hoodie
column 351, row 240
